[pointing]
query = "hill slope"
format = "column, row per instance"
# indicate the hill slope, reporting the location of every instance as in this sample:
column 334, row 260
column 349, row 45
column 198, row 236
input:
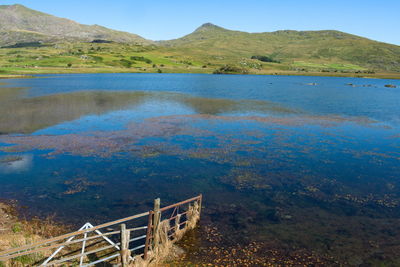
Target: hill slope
column 209, row 49
column 214, row 42
column 21, row 24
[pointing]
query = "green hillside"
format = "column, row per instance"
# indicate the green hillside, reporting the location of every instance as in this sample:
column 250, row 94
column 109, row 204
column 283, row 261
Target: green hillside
column 210, row 42
column 34, row 42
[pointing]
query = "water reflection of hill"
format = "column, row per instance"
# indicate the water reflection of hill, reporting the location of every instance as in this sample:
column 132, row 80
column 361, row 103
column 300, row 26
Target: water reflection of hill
column 26, row 115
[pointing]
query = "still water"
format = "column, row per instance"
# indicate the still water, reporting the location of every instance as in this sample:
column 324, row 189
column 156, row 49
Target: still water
column 306, row 164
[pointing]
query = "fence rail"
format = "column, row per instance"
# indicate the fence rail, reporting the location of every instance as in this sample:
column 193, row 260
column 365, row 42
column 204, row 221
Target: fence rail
column 104, row 243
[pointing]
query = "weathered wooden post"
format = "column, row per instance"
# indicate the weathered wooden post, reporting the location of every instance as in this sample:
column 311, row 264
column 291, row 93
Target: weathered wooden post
column 156, row 222
column 125, row 252
column 200, row 202
column 148, row 235
column 177, row 224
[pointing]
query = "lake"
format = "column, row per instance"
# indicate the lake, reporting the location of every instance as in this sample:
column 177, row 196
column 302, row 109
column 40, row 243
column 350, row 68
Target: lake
column 297, row 165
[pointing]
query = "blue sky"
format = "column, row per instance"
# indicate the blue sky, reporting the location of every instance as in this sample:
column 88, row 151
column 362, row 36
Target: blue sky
column 168, row 19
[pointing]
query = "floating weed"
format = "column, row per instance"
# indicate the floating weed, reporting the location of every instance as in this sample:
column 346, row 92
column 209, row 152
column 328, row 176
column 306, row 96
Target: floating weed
column 10, row 159
column 13, row 148
column 288, row 165
column 151, row 154
column 78, row 185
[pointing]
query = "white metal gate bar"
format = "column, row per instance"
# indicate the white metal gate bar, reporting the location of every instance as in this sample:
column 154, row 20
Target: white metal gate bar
column 85, row 226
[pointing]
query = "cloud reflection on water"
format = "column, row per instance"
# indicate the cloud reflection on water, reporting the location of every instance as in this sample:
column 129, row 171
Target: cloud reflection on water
column 22, row 163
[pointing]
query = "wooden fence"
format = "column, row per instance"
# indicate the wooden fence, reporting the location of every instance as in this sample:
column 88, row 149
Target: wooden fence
column 120, row 242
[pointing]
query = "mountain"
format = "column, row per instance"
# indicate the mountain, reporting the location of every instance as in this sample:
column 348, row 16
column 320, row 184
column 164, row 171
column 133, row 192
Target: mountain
column 328, row 46
column 20, row 24
column 210, row 48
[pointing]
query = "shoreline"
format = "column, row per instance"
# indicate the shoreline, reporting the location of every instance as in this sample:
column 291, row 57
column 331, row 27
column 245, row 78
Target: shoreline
column 383, row 76
column 16, row 76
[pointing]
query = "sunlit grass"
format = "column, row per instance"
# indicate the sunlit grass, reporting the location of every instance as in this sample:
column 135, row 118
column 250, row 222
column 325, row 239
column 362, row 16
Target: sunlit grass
column 334, row 66
column 202, row 56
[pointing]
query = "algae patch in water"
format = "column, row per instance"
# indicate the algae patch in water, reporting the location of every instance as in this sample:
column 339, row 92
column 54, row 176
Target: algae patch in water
column 78, row 185
column 9, row 159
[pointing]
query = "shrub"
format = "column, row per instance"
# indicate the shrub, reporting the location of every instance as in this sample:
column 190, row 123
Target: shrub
column 97, row 58
column 137, row 58
column 265, row 59
column 24, row 45
column 228, row 69
column 125, row 63
column 101, row 41
column 186, row 62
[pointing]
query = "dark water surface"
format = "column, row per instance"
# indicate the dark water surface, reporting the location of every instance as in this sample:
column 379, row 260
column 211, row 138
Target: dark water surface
column 307, row 163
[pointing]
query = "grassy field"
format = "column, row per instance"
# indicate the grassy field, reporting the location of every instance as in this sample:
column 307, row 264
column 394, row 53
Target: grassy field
column 127, row 58
column 328, row 66
column 91, row 58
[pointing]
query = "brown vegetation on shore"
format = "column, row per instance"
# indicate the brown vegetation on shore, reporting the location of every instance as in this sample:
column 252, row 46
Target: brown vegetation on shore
column 15, row 232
